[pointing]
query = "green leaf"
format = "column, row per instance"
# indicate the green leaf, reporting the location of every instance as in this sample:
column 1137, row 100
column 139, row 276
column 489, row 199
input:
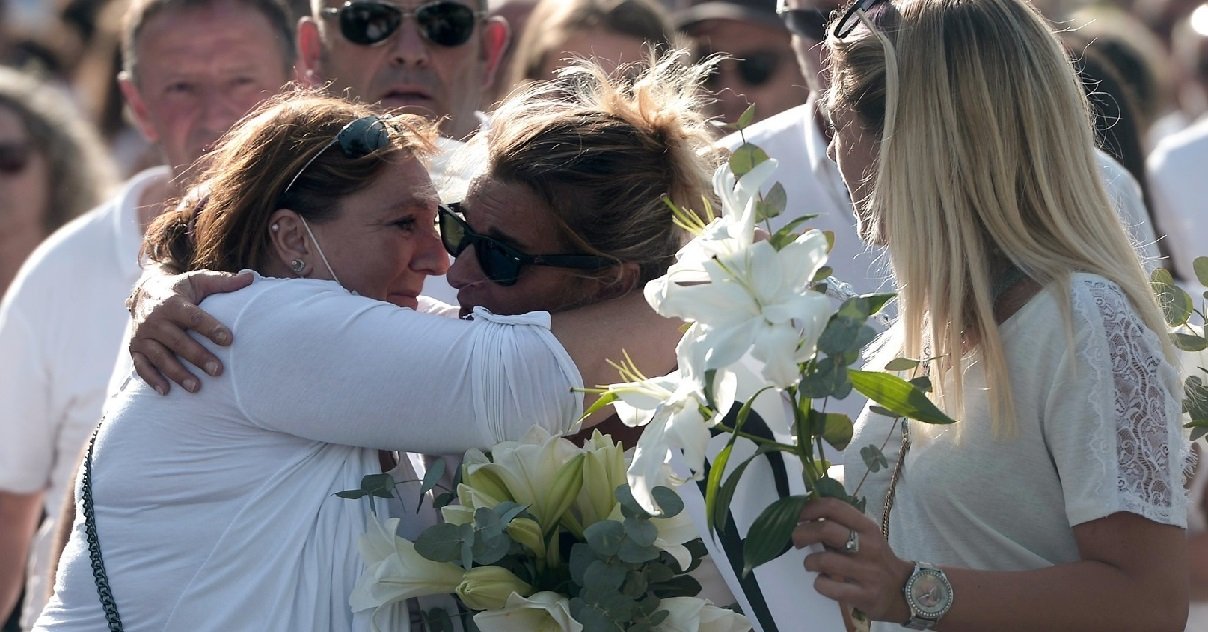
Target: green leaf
column 605, row 399
column 1189, row 342
column 379, row 485
column 633, row 553
column 440, row 543
column 877, row 302
column 352, row 494
column 1176, row 304
column 837, row 430
column 787, row 234
column 827, row 379
column 746, row 158
column 714, row 487
column 1200, row 265
column 641, row 531
column 922, row 382
column 897, row 395
column 772, row 204
column 873, row 458
column 746, row 118
column 770, row 534
column 679, row 586
column 827, row 487
column 668, row 501
column 443, row 500
column 432, row 477
column 605, row 537
column 1195, row 400
column 822, row 273
column 719, row 510
column 901, row 364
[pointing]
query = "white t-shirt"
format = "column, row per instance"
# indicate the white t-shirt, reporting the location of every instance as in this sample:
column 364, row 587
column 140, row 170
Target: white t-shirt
column 61, row 326
column 215, row 510
column 1180, row 194
column 1098, row 433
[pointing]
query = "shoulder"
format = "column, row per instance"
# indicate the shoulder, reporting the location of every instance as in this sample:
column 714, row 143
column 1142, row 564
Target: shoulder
column 787, row 127
column 1189, row 143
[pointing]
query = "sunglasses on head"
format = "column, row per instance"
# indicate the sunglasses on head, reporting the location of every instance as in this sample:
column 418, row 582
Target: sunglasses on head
column 369, row 23
column 356, row 139
column 14, row 157
column 851, row 18
column 754, row 68
column 500, row 262
column 807, row 23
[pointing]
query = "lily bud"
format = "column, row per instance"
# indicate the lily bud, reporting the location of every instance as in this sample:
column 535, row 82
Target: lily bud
column 488, row 587
column 528, row 533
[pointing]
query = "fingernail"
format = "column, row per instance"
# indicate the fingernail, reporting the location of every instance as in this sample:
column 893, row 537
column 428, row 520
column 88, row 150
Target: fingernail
column 162, row 390
column 212, row 368
column 191, row 386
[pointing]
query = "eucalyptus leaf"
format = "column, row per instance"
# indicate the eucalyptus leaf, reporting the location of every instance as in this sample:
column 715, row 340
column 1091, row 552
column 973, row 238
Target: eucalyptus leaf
column 1198, row 432
column 746, row 118
column 1176, row 304
column 581, row 557
column 668, row 501
column 787, row 234
column 922, row 382
column 678, row 586
column 772, row 204
column 641, row 531
column 828, row 379
column 746, row 158
column 823, row 273
column 352, row 494
column 830, row 239
column 1189, row 342
column 897, row 395
column 769, row 536
column 633, row 553
column 827, row 487
column 837, row 430
column 443, row 500
column 379, row 485
column 440, row 543
column 605, row 537
column 431, row 477
column 901, row 364
column 1195, row 399
column 1200, row 265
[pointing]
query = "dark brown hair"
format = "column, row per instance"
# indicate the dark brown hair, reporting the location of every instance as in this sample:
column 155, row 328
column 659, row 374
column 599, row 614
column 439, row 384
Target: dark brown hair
column 222, row 224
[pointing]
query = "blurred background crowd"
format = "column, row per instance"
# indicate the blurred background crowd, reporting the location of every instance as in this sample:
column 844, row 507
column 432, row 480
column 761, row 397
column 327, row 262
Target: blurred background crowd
column 67, row 138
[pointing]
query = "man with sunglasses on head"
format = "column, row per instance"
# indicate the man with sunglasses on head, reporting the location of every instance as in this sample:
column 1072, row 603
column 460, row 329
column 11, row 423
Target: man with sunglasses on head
column 759, row 69
column 192, row 68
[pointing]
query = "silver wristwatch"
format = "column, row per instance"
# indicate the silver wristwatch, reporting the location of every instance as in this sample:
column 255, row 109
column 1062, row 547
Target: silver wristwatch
column 928, row 595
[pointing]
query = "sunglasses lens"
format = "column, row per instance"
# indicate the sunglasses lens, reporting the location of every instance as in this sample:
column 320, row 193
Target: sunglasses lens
column 499, row 265
column 14, row 157
column 452, row 232
column 446, row 23
column 807, row 23
column 757, row 68
column 363, row 137
column 367, row 23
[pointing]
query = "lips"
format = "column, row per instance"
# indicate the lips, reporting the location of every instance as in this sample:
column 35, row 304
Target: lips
column 401, row 96
column 405, row 298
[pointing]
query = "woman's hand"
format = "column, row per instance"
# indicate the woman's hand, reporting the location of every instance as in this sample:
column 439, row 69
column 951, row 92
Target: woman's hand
column 866, row 575
column 163, row 309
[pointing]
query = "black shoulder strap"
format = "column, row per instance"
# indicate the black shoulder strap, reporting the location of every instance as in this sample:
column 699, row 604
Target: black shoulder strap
column 94, row 544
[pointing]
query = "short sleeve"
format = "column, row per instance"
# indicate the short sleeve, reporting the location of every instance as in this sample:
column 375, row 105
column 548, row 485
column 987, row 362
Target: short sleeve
column 27, row 441
column 1112, row 420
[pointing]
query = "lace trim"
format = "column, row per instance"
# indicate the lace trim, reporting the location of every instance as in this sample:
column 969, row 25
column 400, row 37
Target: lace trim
column 1149, row 454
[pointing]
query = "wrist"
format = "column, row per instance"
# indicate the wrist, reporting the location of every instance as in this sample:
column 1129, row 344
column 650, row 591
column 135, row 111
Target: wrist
column 928, row 595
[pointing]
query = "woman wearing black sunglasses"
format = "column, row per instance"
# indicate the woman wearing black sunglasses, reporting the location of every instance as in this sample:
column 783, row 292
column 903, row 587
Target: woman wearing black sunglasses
column 334, row 201
column 1056, row 501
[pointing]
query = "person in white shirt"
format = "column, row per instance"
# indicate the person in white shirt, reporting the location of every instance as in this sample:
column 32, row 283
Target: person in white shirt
column 321, row 378
column 1061, row 484
column 191, row 70
column 1176, row 175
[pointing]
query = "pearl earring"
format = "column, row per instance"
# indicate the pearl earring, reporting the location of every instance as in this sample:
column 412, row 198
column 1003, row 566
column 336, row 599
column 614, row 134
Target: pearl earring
column 298, row 266
column 275, row 227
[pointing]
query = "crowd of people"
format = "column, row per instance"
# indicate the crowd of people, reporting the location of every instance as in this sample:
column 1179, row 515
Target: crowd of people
column 444, row 203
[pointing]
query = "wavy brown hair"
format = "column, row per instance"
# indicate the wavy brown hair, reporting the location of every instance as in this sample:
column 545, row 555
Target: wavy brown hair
column 222, row 224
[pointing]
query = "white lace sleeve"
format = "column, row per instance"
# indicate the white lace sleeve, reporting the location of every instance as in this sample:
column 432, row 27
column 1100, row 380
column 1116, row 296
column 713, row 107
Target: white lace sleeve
column 1135, row 451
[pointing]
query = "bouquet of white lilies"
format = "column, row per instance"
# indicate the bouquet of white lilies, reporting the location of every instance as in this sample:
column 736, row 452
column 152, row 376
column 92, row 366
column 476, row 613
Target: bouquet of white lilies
column 546, row 537
column 763, row 340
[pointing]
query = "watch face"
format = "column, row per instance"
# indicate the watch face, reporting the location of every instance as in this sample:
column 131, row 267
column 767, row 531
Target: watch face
column 930, row 593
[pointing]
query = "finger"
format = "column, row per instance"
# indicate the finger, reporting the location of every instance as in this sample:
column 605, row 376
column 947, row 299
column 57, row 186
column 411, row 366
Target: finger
column 842, row 591
column 208, row 283
column 829, row 533
column 150, row 374
column 833, row 564
column 181, row 316
column 165, row 362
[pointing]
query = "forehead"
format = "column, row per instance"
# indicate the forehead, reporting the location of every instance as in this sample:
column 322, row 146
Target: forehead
column 11, row 126
column 511, row 211
column 204, row 30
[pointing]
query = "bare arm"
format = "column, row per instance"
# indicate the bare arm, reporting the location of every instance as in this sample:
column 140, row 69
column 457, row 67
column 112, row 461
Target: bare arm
column 1132, row 576
column 19, row 514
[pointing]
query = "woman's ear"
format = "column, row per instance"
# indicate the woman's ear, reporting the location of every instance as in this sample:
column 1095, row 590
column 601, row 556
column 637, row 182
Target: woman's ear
column 288, row 242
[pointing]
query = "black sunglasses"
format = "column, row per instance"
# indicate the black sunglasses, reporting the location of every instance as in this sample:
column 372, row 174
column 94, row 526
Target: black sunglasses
column 754, row 68
column 356, row 139
column 851, row 18
column 15, row 157
column 499, row 261
column 369, row 23
column 807, row 23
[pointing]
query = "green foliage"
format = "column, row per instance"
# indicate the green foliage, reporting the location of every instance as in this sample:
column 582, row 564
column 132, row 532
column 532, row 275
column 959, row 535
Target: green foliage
column 772, row 204
column 899, row 397
column 873, row 458
column 1176, row 304
column 902, row 364
column 746, row 158
column 770, row 534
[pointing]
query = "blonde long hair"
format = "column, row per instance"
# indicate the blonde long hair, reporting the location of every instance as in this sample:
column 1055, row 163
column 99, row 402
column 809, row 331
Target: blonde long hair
column 986, row 156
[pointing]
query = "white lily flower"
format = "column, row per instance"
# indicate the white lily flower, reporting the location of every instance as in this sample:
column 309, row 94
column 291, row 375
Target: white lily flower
column 670, row 408
column 692, row 614
column 394, row 571
column 542, row 612
column 533, row 473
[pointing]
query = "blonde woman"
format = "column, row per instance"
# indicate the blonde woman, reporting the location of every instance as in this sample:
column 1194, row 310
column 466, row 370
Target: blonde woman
column 1056, row 502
